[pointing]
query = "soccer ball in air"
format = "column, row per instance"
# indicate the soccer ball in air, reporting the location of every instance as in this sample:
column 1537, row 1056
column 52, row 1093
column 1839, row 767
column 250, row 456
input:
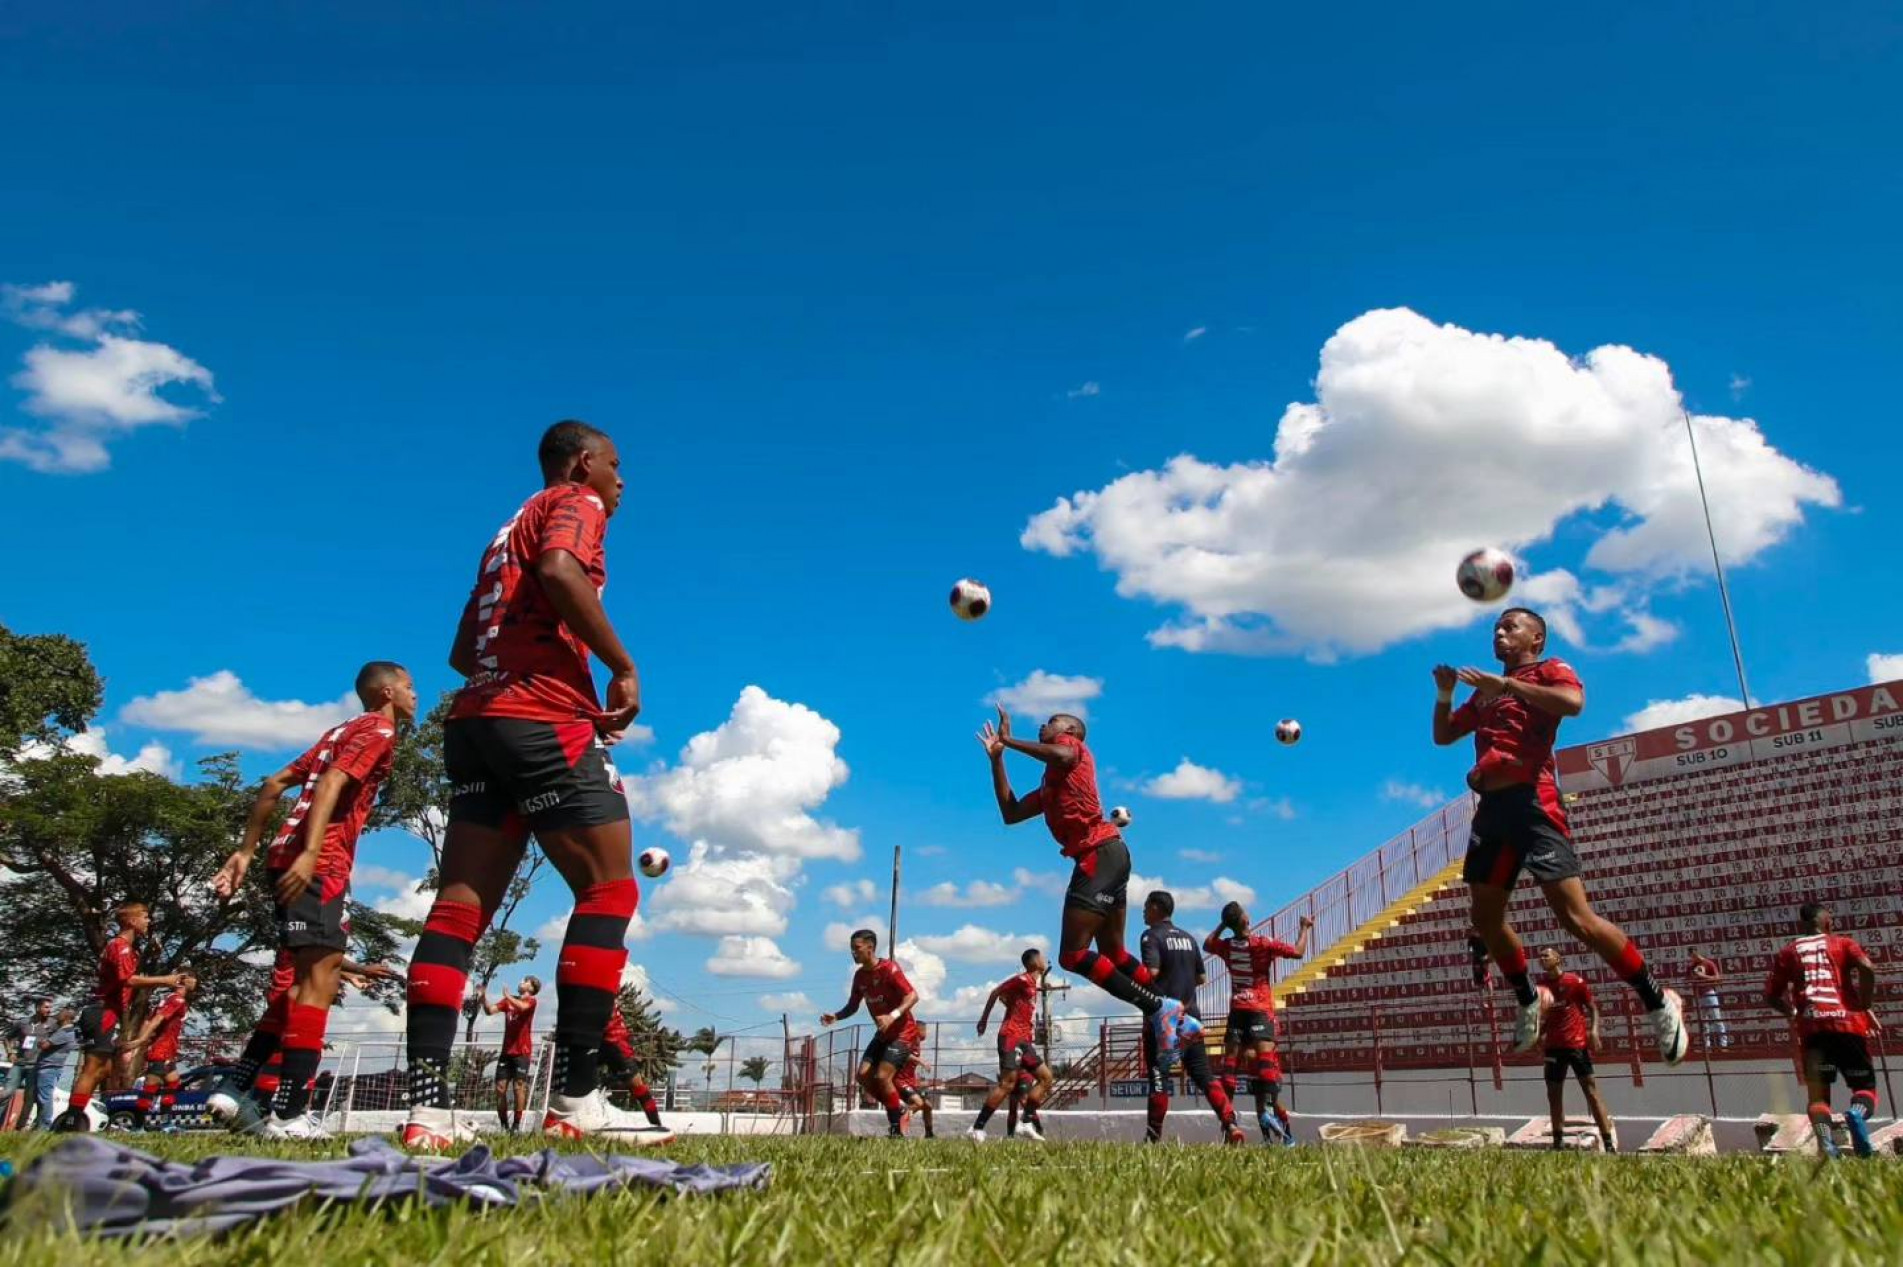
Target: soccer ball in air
column 654, row 863
column 1288, row 730
column 970, row 599
column 1119, row 816
column 1485, row 575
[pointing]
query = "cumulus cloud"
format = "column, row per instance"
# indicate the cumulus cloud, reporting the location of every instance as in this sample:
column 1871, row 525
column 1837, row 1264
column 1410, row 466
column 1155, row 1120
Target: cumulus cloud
column 718, row 894
column 551, row 931
column 838, row 936
column 795, row 1001
column 850, row 894
column 1048, row 883
column 636, row 975
column 87, row 396
column 1043, row 694
column 1423, row 442
column 1884, row 668
column 972, row 944
column 402, row 895
column 751, row 957
column 151, row 758
column 220, row 709
column 1196, row 897
column 1676, row 712
column 1413, row 794
column 1198, row 855
column 1192, row 782
column 976, row 893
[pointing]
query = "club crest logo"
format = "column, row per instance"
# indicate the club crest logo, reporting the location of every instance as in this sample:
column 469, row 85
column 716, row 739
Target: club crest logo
column 1614, row 758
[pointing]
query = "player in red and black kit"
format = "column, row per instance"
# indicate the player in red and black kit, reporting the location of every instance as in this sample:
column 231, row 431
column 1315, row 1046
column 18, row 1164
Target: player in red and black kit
column 1172, row 956
column 1826, row 984
column 896, row 1033
column 98, row 1027
column 525, row 750
column 1249, row 1037
column 1571, row 1028
column 309, row 865
column 618, row 1069
column 1017, row 1048
column 164, row 1027
column 906, row 1084
column 513, row 1066
column 1096, row 904
column 1520, row 824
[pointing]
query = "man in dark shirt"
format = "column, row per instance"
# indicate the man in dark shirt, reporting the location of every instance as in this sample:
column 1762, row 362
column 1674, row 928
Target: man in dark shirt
column 57, row 1046
column 23, row 1039
column 1175, row 959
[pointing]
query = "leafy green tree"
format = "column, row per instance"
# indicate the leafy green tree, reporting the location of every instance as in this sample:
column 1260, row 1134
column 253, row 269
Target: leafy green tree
column 657, row 1049
column 753, row 1069
column 48, row 688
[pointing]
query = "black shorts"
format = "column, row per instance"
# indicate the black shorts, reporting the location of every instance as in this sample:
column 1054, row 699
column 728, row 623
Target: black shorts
column 1561, row 1060
column 1100, row 880
column 883, row 1051
column 1248, row 1025
column 312, row 921
column 162, row 1070
column 1827, row 1054
column 1513, row 831
column 1019, row 1055
column 614, row 1066
column 512, row 1069
column 549, row 775
column 97, row 1030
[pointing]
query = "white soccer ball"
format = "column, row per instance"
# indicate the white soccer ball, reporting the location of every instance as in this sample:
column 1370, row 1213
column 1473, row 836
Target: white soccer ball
column 1485, row 575
column 970, row 600
column 655, row 862
column 1288, row 730
column 1119, row 816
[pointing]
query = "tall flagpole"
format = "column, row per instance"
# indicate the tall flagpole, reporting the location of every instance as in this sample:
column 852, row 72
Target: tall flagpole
column 892, row 928
column 1717, row 563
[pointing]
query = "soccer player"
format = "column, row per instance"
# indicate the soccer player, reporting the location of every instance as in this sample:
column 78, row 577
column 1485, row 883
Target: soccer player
column 98, row 1021
column 1096, row 903
column 525, row 749
column 1017, row 1052
column 158, row 1088
column 1249, row 1037
column 896, row 1034
column 309, row 864
column 617, row 1068
column 1826, row 984
column 1571, row 1028
column 1174, row 960
column 910, row 1095
column 1514, row 717
column 518, row 1050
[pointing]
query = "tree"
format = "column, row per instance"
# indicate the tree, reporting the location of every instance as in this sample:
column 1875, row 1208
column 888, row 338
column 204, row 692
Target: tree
column 753, row 1069
column 416, row 799
column 657, row 1049
column 48, row 688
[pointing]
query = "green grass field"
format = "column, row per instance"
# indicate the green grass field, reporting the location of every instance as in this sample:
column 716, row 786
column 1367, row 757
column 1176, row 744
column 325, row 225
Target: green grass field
column 872, row 1201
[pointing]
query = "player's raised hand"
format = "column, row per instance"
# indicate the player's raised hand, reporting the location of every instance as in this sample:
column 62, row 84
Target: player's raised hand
column 225, row 884
column 1445, row 676
column 1305, row 921
column 1487, row 684
column 827, row 1019
column 993, row 742
column 1004, row 723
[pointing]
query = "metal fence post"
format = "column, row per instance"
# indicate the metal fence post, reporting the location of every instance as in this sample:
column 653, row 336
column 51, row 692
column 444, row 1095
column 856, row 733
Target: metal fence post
column 356, row 1063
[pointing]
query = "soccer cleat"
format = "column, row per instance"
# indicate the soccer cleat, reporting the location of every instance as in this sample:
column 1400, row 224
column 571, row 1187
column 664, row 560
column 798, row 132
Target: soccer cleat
column 1526, row 1030
column 303, row 1126
column 1826, row 1141
column 1668, row 1026
column 1028, row 1130
column 591, row 1116
column 232, row 1108
column 435, row 1131
column 1233, row 1134
column 1273, row 1133
column 976, row 1135
column 1859, row 1134
column 1172, row 1025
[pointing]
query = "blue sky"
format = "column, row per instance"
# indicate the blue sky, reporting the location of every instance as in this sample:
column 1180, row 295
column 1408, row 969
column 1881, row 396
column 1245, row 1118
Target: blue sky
column 863, row 292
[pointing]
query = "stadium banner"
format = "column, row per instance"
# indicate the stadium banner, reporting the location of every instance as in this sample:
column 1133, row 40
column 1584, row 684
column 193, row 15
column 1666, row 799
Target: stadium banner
column 1822, row 721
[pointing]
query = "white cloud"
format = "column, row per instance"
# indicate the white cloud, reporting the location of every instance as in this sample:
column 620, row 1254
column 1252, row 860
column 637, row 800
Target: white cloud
column 1043, row 694
column 1092, row 388
column 552, row 930
column 1676, row 712
column 976, row 893
column 923, row 968
column 751, row 783
column 1198, row 855
column 1194, row 333
column 636, row 974
column 89, row 396
column 972, row 944
column 152, row 758
column 1739, row 386
column 220, row 709
column 1048, row 883
column 751, row 957
column 1884, row 668
column 796, row 1003
column 1279, row 807
column 1423, row 442
column 1413, row 794
column 402, row 897
column 838, row 936
column 1197, row 897
column 716, row 894
column 1192, row 782
column 850, row 894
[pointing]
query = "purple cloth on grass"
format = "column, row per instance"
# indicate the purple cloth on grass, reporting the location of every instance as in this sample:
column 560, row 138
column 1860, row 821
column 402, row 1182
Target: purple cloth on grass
column 108, row 1189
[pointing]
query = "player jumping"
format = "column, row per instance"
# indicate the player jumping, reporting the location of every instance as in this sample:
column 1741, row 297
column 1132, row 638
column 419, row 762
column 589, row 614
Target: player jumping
column 159, row 1082
column 1173, row 959
column 1249, row 1037
column 1826, row 984
column 1017, row 1052
column 98, row 1027
column 1520, row 824
column 525, row 752
column 309, row 865
column 896, row 1033
column 1572, row 1035
column 1096, row 904
column 518, row 1051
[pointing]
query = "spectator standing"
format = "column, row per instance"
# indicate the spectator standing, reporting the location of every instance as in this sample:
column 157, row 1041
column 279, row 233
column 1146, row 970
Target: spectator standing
column 55, row 1050
column 1706, row 977
column 22, row 1041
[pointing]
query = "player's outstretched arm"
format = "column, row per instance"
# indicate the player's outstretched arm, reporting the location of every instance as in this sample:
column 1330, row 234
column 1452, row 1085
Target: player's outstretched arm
column 225, row 883
column 1306, row 925
column 852, row 1006
column 488, row 1008
column 1446, row 728
column 991, row 1000
column 1061, row 755
column 573, row 596
column 1014, row 809
column 330, row 788
column 1561, row 701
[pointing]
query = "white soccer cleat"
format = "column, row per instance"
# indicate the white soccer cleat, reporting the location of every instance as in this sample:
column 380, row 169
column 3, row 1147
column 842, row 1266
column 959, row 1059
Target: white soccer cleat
column 1526, row 1030
column 591, row 1116
column 303, row 1126
column 436, row 1131
column 1668, row 1026
column 1028, row 1130
column 233, row 1109
column 976, row 1135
